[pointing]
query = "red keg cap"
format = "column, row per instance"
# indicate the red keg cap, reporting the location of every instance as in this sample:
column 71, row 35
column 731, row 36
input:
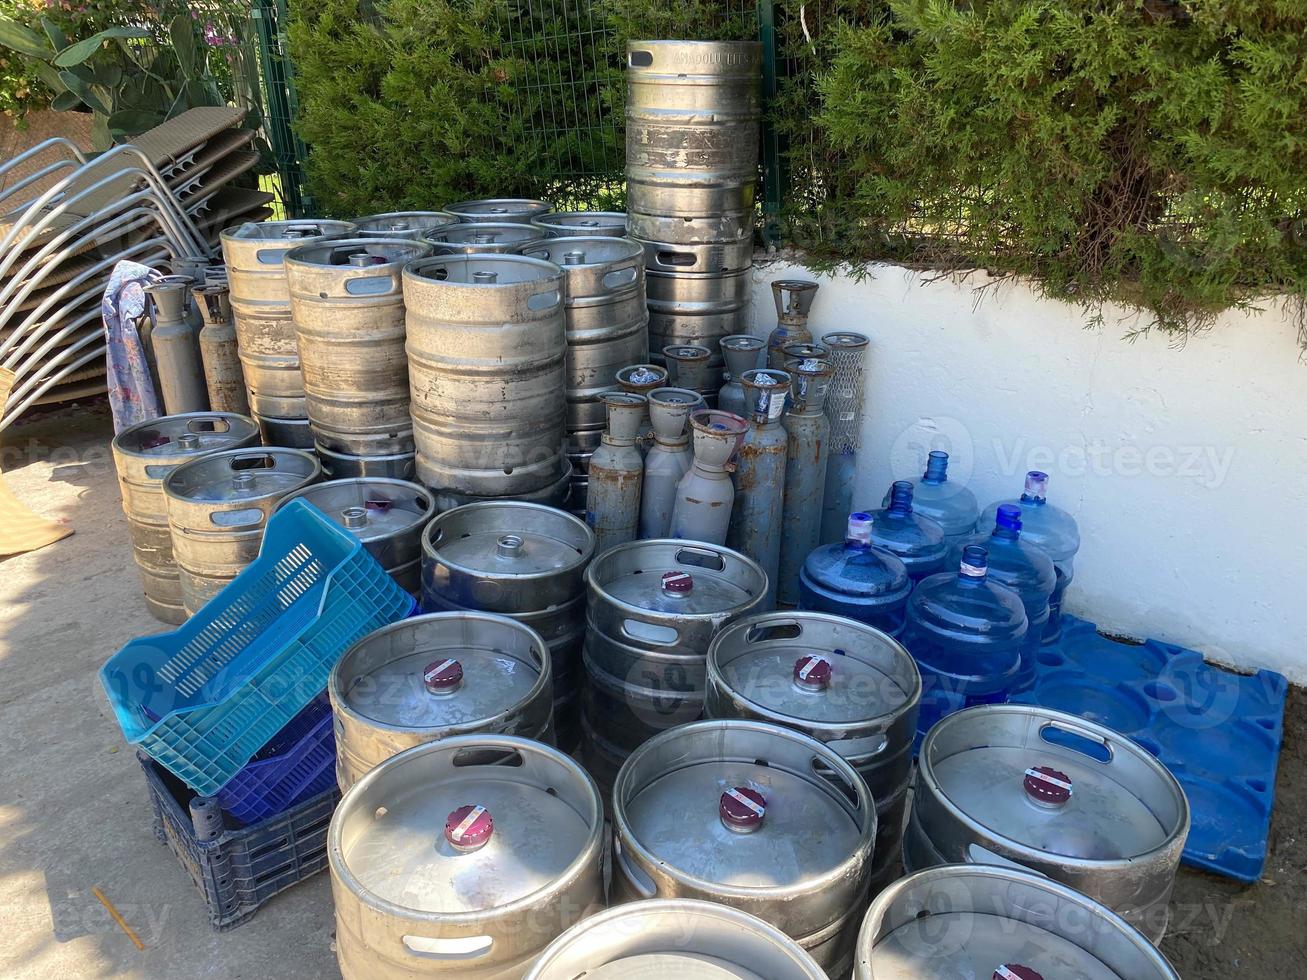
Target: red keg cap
column 1047, row 786
column 469, row 827
column 678, row 583
column 442, row 676
column 812, row 673
column 1015, row 971
column 742, row 809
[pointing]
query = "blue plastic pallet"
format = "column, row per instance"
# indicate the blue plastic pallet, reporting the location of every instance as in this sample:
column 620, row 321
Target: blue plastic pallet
column 203, row 699
column 1217, row 731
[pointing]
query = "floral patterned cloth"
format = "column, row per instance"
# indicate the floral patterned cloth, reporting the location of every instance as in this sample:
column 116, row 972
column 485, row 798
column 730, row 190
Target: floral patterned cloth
column 131, row 385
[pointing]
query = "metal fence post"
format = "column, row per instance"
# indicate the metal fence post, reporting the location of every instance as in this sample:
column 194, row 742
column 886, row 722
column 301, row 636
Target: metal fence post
column 281, row 105
column 771, row 155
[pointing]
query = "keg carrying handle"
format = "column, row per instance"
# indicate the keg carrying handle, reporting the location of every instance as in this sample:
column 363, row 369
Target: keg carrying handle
column 208, row 423
column 621, row 276
column 447, row 949
column 372, row 285
column 1065, row 735
column 544, row 300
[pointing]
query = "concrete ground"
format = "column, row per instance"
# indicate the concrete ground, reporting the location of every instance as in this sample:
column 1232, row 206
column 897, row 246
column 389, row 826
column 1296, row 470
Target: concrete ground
column 75, row 814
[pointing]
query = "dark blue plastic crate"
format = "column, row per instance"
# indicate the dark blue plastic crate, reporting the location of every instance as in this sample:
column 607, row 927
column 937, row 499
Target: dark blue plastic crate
column 299, row 762
column 239, row 869
column 1218, row 732
column 205, row 698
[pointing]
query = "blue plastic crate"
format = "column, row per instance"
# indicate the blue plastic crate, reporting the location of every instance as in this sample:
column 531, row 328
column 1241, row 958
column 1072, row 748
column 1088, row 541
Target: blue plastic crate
column 299, row 762
column 205, row 698
column 1218, row 732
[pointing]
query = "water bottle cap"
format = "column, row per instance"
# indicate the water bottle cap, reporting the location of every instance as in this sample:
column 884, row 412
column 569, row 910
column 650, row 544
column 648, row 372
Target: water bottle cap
column 442, row 676
column 469, row 828
column 900, row 497
column 859, row 528
column 1036, row 484
column 975, row 561
column 936, row 467
column 1047, row 786
column 678, row 583
column 1008, row 517
column 742, row 809
column 1015, row 971
column 812, row 673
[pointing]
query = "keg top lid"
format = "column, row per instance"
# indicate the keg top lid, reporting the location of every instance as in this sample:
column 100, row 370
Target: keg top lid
column 242, row 474
column 816, row 670
column 181, row 435
column 404, row 222
column 486, row 233
column 667, row 576
column 584, row 221
column 498, row 208
column 437, row 672
column 507, row 540
column 448, row 831
column 371, row 509
column 682, row 965
column 733, row 821
column 1027, row 777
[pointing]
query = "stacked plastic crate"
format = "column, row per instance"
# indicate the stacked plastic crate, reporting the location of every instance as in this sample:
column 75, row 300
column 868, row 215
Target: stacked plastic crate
column 228, row 712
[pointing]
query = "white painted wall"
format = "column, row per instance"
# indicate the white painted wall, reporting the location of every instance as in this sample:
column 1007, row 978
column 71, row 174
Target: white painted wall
column 1186, row 467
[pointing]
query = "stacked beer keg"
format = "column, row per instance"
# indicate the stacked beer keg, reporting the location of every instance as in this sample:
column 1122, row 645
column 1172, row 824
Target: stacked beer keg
column 692, row 123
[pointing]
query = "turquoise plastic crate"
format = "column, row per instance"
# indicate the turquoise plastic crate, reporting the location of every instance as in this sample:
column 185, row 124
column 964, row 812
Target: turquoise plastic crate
column 202, row 700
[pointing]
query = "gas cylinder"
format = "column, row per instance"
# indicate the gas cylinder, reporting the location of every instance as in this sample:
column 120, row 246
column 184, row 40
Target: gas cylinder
column 640, row 379
column 668, row 459
column 612, row 500
column 741, row 352
column 793, row 302
column 688, row 367
column 222, row 364
column 176, row 347
column 807, row 431
column 848, row 356
column 756, row 518
column 705, row 495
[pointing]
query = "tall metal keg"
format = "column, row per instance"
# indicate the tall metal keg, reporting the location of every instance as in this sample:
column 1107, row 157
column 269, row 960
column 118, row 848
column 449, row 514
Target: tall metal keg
column 976, row 921
column 486, row 345
column 260, row 304
column 692, row 121
column 347, row 304
column 565, row 224
column 607, row 317
column 386, row 515
column 463, row 858
column 484, row 238
column 218, row 505
column 841, row 682
column 403, row 224
column 433, row 676
column 1049, row 791
column 515, row 210
column 521, row 560
column 144, row 454
column 653, row 607
column 674, row 938
column 750, row 815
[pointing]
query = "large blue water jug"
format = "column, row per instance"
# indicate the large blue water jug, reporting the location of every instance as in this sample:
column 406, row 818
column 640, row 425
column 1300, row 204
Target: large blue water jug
column 915, row 540
column 856, row 580
column 946, row 502
column 1028, row 572
column 965, row 632
column 1049, row 528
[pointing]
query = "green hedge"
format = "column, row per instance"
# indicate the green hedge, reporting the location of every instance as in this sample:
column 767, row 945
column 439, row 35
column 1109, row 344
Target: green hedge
column 1149, row 152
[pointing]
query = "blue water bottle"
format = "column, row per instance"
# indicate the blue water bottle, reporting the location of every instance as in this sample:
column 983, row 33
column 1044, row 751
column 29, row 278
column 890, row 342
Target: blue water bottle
column 1049, row 528
column 913, row 539
column 856, row 580
column 946, row 502
column 965, row 632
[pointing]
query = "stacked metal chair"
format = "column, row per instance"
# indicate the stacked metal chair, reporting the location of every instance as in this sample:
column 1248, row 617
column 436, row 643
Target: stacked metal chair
column 67, row 220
